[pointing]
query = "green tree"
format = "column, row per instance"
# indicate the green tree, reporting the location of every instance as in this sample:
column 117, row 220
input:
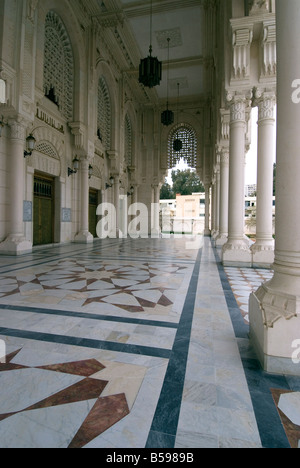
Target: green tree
column 186, row 182
column 166, row 192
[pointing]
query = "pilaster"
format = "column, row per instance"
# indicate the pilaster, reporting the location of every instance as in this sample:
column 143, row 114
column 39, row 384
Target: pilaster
column 16, row 243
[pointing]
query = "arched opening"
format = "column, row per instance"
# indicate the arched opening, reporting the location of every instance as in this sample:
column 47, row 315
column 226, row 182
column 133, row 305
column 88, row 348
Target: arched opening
column 188, row 150
column 58, row 65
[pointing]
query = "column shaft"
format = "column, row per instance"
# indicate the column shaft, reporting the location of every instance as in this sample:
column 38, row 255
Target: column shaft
column 84, row 236
column 263, row 249
column 236, row 251
column 275, row 308
column 207, row 210
column 16, row 244
column 224, row 195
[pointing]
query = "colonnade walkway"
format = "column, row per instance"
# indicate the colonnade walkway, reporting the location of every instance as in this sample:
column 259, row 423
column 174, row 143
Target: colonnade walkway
column 133, row 344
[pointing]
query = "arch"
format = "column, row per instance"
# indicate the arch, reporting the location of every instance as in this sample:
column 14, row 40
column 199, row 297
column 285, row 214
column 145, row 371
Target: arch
column 104, row 113
column 194, row 122
column 104, row 72
column 74, row 32
column 128, row 141
column 58, row 65
column 187, row 135
column 130, row 132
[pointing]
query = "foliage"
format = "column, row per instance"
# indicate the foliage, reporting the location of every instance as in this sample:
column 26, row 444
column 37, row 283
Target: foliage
column 184, row 183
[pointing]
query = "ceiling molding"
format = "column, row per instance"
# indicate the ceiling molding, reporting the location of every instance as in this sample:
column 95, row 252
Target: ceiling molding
column 133, row 10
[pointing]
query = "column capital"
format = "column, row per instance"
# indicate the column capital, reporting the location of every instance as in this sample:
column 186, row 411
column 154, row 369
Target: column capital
column 238, row 105
column 266, row 102
column 224, row 157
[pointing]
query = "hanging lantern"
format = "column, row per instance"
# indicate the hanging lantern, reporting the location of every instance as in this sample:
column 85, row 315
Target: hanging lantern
column 177, row 145
column 167, row 117
column 150, row 72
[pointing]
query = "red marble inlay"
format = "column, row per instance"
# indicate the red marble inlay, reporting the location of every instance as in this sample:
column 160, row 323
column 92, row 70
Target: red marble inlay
column 292, row 430
column 84, row 368
column 105, row 413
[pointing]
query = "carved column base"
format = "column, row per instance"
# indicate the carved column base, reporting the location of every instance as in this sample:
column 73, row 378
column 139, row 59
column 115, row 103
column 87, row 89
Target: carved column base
column 84, row 237
column 275, row 329
column 15, row 245
column 263, row 255
column 221, row 240
column 237, row 253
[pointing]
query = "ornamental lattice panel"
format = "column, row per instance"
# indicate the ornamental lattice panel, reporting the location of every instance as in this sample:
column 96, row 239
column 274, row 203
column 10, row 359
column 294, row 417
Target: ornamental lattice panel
column 58, row 65
column 188, row 152
column 104, row 114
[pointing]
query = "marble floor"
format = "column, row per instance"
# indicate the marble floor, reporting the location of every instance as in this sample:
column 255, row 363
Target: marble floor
column 133, row 344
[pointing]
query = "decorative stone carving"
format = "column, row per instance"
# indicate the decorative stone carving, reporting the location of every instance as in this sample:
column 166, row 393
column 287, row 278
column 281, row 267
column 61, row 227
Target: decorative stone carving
column 266, row 107
column 59, row 64
column 31, row 7
column 237, row 108
column 268, row 45
column 17, row 130
column 225, row 125
column 241, row 43
column 104, row 114
column 257, row 7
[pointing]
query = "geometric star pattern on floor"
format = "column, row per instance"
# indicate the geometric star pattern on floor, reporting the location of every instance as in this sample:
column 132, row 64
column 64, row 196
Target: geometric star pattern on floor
column 106, row 408
column 124, row 286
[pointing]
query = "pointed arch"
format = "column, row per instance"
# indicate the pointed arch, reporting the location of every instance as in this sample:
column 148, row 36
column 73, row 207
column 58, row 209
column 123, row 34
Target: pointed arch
column 58, row 65
column 104, row 113
column 128, row 141
column 187, row 135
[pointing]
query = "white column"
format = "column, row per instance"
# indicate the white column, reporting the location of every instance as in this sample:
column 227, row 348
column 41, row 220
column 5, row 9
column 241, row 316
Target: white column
column 217, row 202
column 117, row 204
column 275, row 307
column 16, row 244
column 224, row 195
column 213, row 206
column 207, row 209
column 263, row 249
column 155, row 230
column 236, row 251
column 84, row 236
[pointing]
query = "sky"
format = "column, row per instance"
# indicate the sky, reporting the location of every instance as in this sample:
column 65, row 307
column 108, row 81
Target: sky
column 251, row 157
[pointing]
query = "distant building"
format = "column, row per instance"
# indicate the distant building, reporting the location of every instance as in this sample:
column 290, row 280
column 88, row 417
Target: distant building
column 250, row 190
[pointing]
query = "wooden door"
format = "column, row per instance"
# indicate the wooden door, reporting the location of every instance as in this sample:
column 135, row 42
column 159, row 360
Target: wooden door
column 93, row 219
column 43, row 218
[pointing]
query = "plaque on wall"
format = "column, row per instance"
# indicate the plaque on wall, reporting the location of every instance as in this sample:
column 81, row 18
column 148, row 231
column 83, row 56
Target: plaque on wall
column 27, row 211
column 66, row 215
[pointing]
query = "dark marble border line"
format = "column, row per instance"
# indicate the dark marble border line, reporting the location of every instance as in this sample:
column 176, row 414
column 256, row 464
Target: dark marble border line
column 165, row 422
column 259, row 382
column 87, row 343
column 86, row 315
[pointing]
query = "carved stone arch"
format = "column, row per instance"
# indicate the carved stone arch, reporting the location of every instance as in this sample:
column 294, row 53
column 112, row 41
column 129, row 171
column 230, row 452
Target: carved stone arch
column 45, row 134
column 190, row 122
column 104, row 119
column 97, row 172
column 48, row 156
column 104, row 72
column 72, row 26
column 130, row 130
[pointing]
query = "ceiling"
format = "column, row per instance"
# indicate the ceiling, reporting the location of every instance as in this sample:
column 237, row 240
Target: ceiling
column 183, row 22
